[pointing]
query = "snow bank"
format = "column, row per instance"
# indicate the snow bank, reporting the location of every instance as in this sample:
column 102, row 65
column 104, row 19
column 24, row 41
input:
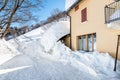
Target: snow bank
column 91, row 64
column 54, row 33
column 7, row 51
column 95, row 63
column 34, row 34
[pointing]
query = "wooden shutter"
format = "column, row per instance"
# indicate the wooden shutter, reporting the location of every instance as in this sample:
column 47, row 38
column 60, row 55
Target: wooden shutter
column 84, row 15
column 76, row 7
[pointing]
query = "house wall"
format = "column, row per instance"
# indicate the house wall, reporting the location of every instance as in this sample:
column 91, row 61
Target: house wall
column 106, row 37
column 67, row 41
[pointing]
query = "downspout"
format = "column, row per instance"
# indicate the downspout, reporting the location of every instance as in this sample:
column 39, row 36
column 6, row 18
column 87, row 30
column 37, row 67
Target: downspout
column 70, row 31
column 70, row 34
column 116, row 58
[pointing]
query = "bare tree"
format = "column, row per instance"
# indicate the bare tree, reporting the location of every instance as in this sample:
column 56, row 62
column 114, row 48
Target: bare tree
column 56, row 14
column 17, row 11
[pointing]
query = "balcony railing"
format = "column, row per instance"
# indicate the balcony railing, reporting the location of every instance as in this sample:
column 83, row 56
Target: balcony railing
column 112, row 12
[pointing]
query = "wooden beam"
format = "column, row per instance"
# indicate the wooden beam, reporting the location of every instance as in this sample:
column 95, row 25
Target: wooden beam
column 92, row 42
column 87, row 49
column 82, row 43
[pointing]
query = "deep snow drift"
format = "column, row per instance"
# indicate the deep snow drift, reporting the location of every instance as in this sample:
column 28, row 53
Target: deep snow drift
column 33, row 62
column 6, row 51
column 54, row 33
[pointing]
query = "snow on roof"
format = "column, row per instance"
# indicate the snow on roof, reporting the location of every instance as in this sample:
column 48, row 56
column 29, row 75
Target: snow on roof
column 71, row 4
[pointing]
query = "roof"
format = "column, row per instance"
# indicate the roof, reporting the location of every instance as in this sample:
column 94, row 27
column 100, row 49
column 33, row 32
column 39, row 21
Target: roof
column 74, row 5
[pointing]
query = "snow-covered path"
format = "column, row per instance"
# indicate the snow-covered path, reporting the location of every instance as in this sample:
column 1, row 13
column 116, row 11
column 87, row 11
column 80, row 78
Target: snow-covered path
column 25, row 68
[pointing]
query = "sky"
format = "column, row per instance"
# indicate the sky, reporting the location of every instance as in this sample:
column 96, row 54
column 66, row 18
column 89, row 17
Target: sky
column 49, row 6
column 45, row 11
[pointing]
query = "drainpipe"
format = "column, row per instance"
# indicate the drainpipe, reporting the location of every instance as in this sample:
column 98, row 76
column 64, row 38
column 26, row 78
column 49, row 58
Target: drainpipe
column 118, row 44
column 70, row 31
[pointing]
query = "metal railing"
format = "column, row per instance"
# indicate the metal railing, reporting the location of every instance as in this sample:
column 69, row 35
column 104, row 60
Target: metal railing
column 112, row 12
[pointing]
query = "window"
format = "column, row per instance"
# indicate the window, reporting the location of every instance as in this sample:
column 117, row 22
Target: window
column 87, row 42
column 84, row 15
column 76, row 7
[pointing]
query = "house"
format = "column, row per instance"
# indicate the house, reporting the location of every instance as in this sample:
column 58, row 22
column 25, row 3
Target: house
column 92, row 25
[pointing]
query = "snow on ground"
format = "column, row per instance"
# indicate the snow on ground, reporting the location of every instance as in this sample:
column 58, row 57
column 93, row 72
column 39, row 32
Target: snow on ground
column 94, row 63
column 54, row 33
column 58, row 63
column 7, row 51
column 42, row 69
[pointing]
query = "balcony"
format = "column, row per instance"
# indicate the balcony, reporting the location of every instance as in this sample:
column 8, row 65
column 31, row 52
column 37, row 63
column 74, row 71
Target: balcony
column 112, row 15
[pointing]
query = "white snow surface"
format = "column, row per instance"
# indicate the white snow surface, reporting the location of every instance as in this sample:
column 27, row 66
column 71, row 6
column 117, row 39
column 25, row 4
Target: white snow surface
column 54, row 33
column 30, row 61
column 69, row 3
column 7, row 51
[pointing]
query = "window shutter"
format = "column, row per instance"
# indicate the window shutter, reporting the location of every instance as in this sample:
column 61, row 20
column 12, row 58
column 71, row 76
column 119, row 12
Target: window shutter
column 76, row 7
column 84, row 15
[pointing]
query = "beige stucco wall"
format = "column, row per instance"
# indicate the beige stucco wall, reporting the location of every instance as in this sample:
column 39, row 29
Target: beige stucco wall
column 106, row 38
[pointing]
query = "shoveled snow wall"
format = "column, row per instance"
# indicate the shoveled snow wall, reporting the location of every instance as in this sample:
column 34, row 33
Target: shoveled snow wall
column 54, row 33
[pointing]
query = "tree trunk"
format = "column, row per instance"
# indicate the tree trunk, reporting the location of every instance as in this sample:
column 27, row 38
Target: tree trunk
column 10, row 19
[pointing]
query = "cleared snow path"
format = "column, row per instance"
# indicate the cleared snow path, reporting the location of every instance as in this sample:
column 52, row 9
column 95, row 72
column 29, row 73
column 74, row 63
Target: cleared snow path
column 42, row 69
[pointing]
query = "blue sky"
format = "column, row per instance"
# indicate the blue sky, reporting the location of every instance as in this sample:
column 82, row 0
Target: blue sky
column 45, row 12
column 49, row 6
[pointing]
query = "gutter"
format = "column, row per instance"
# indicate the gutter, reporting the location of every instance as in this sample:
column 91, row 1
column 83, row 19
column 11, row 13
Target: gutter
column 117, row 50
column 67, row 12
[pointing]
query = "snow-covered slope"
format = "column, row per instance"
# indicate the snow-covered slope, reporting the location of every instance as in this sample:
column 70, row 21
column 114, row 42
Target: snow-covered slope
column 58, row 63
column 7, row 51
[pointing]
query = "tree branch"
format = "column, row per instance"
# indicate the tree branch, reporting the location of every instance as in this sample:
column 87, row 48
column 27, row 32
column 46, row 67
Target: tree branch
column 4, row 5
column 16, row 6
